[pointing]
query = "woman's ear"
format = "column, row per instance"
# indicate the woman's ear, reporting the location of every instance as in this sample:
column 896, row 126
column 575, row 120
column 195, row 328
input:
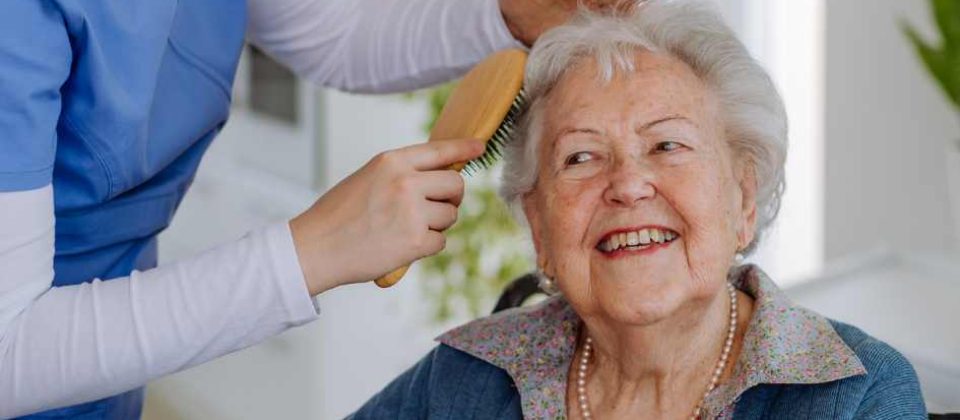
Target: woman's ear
column 748, row 206
column 532, row 212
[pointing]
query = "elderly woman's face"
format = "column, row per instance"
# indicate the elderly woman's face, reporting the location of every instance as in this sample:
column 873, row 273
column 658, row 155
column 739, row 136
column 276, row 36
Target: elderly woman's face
column 639, row 206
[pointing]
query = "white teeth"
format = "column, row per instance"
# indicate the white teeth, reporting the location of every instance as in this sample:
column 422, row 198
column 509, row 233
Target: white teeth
column 644, row 236
column 656, row 235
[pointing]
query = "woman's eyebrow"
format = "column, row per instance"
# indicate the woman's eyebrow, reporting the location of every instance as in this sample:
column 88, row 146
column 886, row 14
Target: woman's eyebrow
column 573, row 130
column 646, row 126
column 653, row 123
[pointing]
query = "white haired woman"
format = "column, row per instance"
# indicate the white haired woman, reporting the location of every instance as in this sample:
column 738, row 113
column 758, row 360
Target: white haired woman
column 651, row 156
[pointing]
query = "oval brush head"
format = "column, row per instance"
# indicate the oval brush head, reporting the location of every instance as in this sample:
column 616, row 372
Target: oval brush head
column 484, row 105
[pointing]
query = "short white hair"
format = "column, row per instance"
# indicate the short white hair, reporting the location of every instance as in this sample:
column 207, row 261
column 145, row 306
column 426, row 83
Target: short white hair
column 754, row 118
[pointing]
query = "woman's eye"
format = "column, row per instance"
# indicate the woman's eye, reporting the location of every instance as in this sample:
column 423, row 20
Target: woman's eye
column 578, row 158
column 666, row 146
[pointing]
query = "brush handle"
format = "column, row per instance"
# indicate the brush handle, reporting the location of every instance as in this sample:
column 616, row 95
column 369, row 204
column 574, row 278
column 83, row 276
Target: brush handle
column 392, row 277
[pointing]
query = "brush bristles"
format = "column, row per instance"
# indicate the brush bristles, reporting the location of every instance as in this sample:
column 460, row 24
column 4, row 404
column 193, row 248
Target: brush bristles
column 494, row 150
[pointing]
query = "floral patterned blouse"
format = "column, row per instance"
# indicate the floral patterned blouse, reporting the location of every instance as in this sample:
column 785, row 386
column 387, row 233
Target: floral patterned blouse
column 784, row 344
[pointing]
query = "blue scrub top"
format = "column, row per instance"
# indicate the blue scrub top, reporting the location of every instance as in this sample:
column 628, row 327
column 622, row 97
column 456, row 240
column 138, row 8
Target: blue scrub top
column 113, row 102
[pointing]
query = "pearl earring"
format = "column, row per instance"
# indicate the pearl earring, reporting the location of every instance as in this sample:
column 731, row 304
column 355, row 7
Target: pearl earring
column 546, row 284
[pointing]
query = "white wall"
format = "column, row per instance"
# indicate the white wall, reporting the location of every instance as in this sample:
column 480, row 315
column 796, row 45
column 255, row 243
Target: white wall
column 868, row 130
column 786, row 37
column 886, row 132
column 886, row 127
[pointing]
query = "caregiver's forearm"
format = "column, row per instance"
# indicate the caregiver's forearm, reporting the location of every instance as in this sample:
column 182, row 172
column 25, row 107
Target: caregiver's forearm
column 79, row 343
column 378, row 45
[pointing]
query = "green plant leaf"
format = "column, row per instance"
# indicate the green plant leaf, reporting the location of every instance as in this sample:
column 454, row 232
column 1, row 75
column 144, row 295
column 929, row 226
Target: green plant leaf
column 944, row 68
column 947, row 15
column 952, row 82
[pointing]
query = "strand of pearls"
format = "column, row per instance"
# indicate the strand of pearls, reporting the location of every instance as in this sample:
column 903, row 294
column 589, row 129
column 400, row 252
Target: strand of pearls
column 714, row 380
column 582, row 379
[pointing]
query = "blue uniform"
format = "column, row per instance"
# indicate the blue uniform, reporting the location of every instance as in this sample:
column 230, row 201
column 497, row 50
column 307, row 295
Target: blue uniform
column 114, row 102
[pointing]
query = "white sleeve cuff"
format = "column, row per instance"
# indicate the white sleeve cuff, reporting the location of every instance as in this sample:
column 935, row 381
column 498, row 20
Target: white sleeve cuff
column 288, row 275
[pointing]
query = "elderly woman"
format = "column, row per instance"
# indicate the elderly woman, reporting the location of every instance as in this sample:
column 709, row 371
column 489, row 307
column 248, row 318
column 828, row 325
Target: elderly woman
column 650, row 157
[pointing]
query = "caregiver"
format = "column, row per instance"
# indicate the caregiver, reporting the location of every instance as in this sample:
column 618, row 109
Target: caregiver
column 106, row 108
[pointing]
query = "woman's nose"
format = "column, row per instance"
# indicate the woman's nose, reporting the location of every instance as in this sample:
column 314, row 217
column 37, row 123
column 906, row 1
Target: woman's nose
column 630, row 183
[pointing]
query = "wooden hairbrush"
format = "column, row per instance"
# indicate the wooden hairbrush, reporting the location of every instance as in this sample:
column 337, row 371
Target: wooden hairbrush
column 484, row 105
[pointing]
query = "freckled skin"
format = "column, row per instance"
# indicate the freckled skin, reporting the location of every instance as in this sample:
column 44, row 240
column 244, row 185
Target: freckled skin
column 601, row 169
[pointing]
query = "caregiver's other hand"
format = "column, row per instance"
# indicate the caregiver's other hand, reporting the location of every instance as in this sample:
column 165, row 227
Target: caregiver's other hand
column 387, row 214
column 527, row 19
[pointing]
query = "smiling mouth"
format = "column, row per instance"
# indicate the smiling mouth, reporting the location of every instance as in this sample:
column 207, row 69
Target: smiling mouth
column 636, row 240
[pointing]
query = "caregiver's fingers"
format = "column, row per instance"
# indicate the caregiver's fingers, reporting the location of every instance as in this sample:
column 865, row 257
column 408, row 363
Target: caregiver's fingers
column 442, row 185
column 439, row 154
column 383, row 216
column 440, row 216
column 434, row 242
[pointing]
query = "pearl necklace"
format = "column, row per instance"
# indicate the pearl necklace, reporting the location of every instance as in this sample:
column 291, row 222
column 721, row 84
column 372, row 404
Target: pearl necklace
column 721, row 364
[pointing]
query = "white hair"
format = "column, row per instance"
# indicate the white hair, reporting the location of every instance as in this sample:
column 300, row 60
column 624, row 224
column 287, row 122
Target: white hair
column 755, row 122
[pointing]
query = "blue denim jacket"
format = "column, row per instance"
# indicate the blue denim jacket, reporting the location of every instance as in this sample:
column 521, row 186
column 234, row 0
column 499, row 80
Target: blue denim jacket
column 794, row 363
column 451, row 384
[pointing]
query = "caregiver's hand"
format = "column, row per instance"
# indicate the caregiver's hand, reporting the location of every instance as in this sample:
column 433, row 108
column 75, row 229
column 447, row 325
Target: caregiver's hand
column 527, row 19
column 388, row 214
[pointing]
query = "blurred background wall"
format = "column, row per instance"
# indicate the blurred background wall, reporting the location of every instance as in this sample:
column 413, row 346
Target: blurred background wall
column 886, row 127
column 866, row 207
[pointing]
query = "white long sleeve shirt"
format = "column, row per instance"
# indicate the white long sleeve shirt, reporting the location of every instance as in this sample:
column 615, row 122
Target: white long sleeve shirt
column 66, row 345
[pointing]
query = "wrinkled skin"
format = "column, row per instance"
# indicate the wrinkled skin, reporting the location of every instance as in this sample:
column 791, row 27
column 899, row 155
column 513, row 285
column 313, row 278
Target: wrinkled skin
column 607, row 163
column 645, row 149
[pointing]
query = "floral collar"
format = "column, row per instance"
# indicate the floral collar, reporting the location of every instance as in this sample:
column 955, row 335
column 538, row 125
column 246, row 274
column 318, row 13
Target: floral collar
column 784, row 344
